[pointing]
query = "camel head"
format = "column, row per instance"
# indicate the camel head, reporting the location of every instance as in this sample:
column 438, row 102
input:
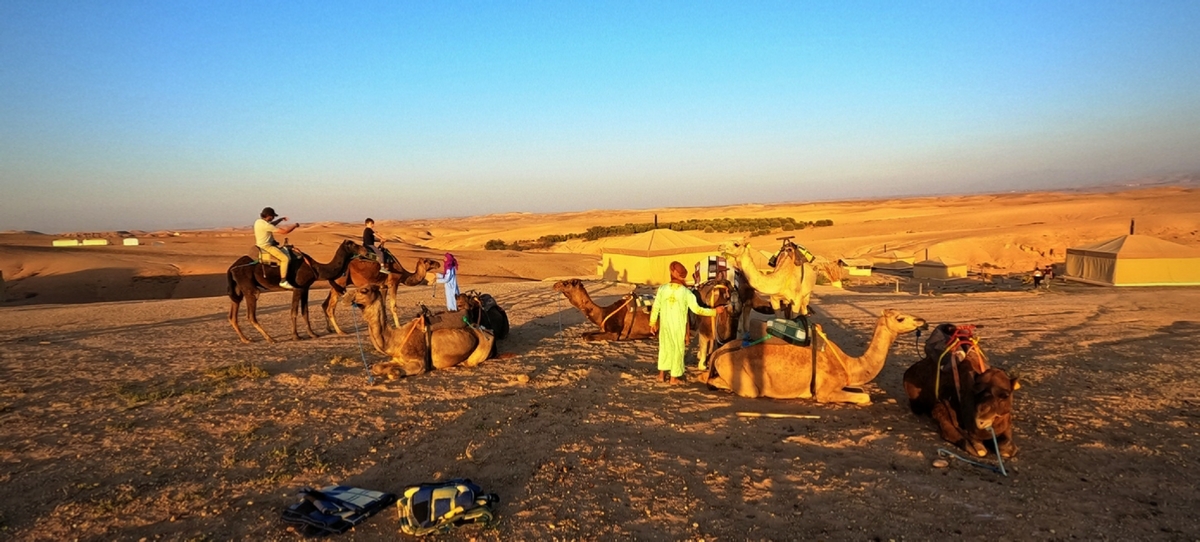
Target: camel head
column 993, row 391
column 367, row 296
column 900, row 323
column 568, row 285
column 353, row 249
column 734, row 249
column 427, row 265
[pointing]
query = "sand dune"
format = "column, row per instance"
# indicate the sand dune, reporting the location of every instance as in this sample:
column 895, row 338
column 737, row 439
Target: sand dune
column 1007, row 232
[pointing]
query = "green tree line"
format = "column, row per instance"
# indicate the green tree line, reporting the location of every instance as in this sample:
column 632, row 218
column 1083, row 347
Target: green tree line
column 754, row 226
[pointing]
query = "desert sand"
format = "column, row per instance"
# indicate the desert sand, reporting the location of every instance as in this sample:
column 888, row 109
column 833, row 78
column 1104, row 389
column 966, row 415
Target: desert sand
column 129, row 410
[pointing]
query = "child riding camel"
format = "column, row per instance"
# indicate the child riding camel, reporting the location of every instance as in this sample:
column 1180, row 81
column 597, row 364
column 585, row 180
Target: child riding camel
column 379, row 252
column 264, row 229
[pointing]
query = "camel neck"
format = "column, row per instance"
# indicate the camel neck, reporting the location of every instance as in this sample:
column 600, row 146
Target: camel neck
column 871, row 362
column 582, row 301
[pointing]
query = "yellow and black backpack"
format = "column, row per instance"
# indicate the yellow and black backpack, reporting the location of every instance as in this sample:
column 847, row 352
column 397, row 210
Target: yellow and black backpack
column 442, row 506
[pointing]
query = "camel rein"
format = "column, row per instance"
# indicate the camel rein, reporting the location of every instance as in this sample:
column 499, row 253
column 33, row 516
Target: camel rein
column 995, row 444
column 937, row 379
column 628, row 298
column 361, row 352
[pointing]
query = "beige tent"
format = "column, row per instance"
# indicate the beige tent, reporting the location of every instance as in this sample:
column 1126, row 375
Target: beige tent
column 1134, row 260
column 645, row 258
column 939, row 268
column 856, row 267
column 892, row 259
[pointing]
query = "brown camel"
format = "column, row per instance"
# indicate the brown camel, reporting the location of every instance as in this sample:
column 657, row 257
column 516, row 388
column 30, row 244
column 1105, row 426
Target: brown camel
column 748, row 301
column 966, row 398
column 622, row 320
column 419, row 346
column 789, row 285
column 774, row 368
column 364, row 272
column 483, row 310
column 247, row 277
column 713, row 330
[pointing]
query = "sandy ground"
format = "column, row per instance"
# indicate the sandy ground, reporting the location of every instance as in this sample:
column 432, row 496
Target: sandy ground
column 125, row 421
column 129, row 410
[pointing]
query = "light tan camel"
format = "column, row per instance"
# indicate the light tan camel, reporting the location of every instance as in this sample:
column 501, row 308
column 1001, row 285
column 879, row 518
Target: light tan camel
column 774, row 368
column 418, row 346
column 622, row 320
column 789, row 285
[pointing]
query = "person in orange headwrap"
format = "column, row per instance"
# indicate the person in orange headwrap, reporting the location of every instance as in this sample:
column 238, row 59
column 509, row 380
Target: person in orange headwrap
column 668, row 318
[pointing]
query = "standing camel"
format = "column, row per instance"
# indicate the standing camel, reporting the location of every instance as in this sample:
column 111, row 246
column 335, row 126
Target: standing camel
column 712, row 331
column 619, row 321
column 363, row 272
column 789, row 285
column 247, row 278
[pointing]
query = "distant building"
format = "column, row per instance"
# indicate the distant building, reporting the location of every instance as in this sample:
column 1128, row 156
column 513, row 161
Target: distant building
column 939, row 268
column 856, row 267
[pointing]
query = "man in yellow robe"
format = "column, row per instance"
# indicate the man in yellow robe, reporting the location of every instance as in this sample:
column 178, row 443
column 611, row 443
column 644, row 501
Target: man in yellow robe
column 669, row 318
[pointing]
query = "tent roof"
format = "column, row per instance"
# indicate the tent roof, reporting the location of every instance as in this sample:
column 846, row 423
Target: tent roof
column 660, row 242
column 855, row 262
column 1136, row 247
column 940, row 262
column 892, row 254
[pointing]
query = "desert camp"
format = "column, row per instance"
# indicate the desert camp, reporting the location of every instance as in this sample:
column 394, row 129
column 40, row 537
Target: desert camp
column 569, row 401
column 599, row 271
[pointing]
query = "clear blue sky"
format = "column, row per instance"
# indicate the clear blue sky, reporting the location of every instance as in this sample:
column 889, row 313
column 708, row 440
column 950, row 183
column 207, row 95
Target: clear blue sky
column 154, row 114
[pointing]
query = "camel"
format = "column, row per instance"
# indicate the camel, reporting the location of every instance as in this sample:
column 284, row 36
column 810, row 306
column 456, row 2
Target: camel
column 789, row 285
column 967, row 399
column 364, row 272
column 774, row 368
column 619, row 321
column 748, row 301
column 482, row 310
column 419, row 346
column 713, row 330
column 246, row 277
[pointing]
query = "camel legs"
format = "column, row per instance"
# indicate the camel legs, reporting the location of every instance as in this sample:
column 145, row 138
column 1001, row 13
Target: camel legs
column 233, row 319
column 330, row 308
column 252, row 315
column 304, row 311
column 947, row 421
column 393, row 284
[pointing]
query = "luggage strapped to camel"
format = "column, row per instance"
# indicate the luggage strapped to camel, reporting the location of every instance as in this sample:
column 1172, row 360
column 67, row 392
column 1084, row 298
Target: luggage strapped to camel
column 957, row 339
column 442, row 506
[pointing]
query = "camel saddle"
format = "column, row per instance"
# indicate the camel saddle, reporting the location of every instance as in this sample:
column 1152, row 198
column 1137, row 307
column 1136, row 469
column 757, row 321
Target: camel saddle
column 263, row 257
column 794, row 332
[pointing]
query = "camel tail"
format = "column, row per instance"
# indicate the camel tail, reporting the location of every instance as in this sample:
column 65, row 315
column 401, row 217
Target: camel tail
column 235, row 293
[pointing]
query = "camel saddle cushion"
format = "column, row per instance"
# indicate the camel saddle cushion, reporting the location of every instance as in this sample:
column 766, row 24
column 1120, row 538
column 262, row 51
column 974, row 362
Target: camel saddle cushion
column 793, row 331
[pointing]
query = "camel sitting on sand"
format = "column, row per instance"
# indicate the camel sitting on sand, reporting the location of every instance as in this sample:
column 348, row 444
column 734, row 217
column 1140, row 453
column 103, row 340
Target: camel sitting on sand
column 789, row 285
column 419, row 346
column 364, row 272
column 622, row 320
column 777, row 369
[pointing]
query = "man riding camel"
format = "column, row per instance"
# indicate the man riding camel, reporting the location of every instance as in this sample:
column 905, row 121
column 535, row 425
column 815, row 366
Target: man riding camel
column 264, row 229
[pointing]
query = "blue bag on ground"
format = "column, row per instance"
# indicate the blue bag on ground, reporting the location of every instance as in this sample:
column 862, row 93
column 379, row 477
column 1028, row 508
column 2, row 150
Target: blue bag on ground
column 441, row 506
column 335, row 509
